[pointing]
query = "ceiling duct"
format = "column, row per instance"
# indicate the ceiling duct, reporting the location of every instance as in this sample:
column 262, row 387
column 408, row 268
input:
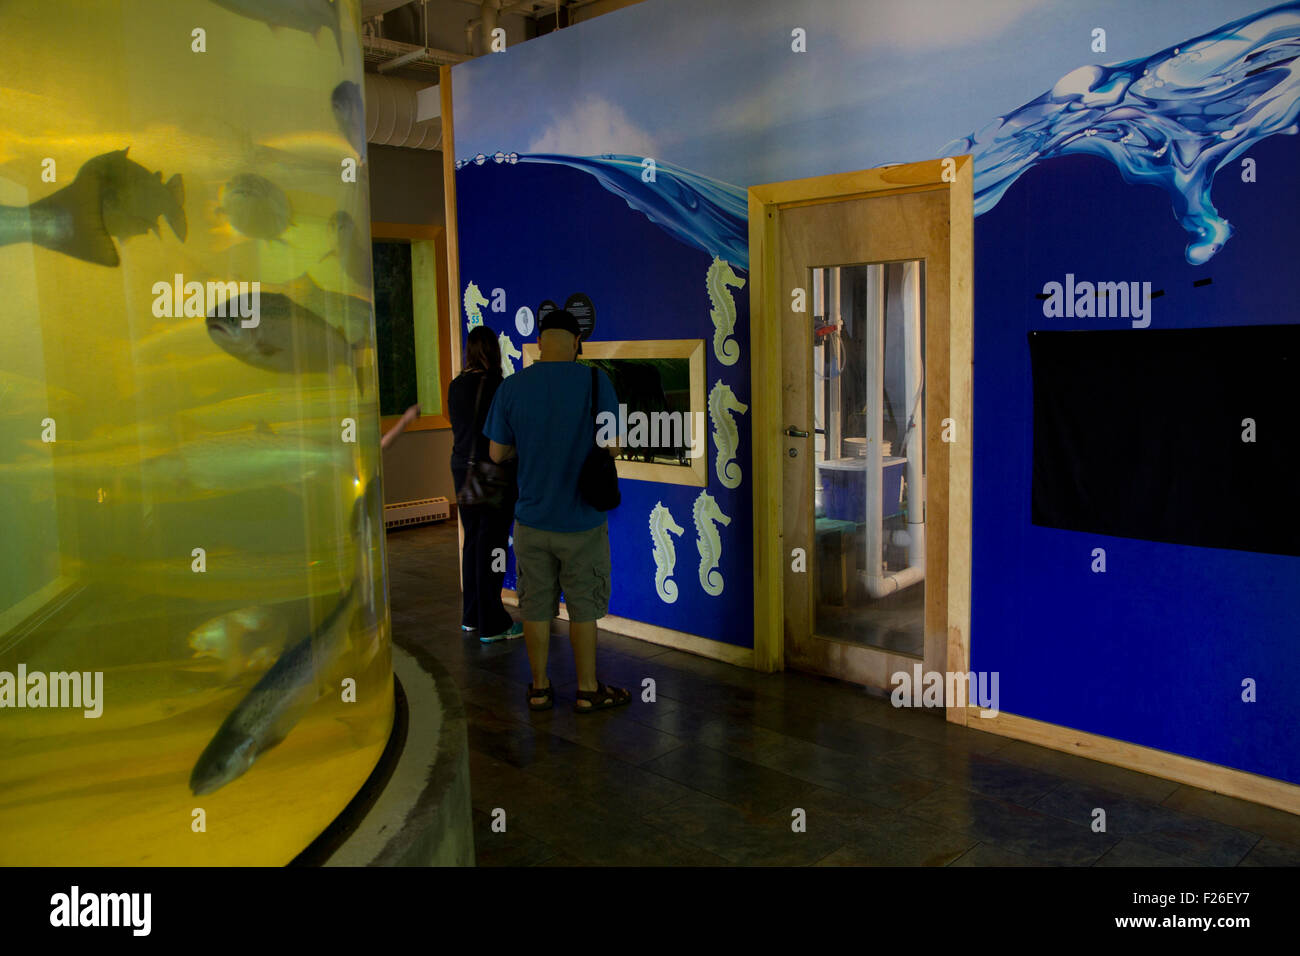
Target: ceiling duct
column 394, row 116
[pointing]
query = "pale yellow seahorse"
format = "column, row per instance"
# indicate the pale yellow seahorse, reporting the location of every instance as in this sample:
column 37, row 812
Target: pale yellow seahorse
column 665, row 554
column 474, row 303
column 508, row 352
column 719, row 277
column 723, row 404
column 706, row 512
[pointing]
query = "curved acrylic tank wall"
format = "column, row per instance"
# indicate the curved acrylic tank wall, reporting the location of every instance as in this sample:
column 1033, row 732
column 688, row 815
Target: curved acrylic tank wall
column 203, row 533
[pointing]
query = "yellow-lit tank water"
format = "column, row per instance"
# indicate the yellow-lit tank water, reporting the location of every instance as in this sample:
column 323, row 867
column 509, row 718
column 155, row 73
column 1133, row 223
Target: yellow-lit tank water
column 194, row 639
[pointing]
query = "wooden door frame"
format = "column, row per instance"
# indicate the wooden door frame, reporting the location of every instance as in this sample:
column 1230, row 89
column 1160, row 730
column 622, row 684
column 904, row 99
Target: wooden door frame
column 949, row 468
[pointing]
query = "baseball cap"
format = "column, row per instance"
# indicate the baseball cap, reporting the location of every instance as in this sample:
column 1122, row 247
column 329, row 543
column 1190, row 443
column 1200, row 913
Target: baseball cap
column 561, row 319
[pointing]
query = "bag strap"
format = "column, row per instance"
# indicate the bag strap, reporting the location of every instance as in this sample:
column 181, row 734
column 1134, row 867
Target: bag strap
column 594, row 392
column 478, row 403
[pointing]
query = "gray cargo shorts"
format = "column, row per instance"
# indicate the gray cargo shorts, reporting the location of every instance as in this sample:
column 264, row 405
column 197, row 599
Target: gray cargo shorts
column 577, row 562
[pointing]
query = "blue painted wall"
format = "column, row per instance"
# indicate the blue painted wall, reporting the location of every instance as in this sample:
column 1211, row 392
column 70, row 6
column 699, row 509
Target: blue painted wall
column 562, row 233
column 1153, row 651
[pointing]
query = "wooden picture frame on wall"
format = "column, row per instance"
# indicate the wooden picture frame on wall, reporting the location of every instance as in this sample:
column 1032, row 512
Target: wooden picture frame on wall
column 697, row 471
column 441, row 322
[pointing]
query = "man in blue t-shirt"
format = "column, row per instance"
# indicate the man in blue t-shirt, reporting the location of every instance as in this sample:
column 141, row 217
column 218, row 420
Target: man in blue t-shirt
column 543, row 413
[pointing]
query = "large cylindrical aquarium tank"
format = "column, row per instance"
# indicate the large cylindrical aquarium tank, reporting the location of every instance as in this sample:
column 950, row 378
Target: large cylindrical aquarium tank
column 194, row 639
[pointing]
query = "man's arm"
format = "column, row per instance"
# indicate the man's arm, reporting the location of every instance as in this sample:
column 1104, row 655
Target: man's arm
column 500, row 453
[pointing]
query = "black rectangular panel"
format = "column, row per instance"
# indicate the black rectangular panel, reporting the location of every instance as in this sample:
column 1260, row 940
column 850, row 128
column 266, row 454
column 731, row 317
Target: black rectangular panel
column 1138, row 434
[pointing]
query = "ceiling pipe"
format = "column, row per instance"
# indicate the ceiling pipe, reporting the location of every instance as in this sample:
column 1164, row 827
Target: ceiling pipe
column 489, row 18
column 392, row 114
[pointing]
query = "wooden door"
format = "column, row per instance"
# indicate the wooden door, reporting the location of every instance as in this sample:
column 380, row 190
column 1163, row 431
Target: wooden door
column 872, row 222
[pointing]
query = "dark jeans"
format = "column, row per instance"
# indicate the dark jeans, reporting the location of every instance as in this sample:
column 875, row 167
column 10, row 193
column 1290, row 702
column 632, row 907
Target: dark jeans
column 486, row 529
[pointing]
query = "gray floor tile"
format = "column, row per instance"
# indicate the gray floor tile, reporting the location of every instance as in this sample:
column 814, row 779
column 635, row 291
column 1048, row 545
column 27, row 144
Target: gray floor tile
column 710, row 772
column 1199, row 839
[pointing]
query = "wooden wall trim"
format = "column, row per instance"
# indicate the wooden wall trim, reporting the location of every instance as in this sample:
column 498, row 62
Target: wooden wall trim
column 453, row 233
column 1170, row 766
column 453, row 255
column 665, row 637
column 765, row 423
column 961, row 338
column 404, row 230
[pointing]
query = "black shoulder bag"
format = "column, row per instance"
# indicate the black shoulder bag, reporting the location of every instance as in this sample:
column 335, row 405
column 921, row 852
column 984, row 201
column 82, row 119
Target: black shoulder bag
column 486, row 482
column 598, row 480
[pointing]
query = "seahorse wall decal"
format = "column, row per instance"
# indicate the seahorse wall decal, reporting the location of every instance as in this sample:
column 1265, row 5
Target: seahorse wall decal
column 508, row 352
column 706, row 512
column 665, row 554
column 721, row 276
column 474, row 303
column 723, row 404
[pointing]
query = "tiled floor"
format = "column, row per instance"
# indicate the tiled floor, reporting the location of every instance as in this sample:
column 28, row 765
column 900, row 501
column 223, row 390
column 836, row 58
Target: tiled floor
column 715, row 769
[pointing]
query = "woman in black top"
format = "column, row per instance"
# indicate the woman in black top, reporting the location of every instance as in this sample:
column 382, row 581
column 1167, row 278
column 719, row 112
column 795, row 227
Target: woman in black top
column 486, row 528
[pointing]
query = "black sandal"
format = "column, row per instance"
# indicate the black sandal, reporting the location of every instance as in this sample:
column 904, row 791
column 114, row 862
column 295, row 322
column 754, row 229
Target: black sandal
column 602, row 698
column 547, row 692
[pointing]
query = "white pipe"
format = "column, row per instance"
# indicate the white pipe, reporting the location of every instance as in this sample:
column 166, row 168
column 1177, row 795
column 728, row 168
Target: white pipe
column 877, row 584
column 488, row 18
column 874, row 346
column 914, row 440
column 834, row 409
column 392, row 113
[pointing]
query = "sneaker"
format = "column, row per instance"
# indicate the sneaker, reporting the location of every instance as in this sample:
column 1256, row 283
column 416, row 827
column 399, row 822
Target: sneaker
column 466, row 627
column 516, row 630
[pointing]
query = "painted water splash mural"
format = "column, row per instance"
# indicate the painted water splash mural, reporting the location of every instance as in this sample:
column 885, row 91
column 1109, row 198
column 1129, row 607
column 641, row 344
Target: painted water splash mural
column 1173, row 119
column 691, row 207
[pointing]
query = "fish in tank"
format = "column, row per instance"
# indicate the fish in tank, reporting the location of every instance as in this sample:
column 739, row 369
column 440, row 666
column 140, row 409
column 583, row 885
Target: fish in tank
column 195, row 659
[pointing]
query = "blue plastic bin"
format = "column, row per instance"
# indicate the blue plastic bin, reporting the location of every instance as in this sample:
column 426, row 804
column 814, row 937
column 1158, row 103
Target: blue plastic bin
column 844, row 488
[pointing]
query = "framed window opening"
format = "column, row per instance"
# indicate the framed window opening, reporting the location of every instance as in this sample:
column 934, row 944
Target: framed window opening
column 641, row 353
column 430, row 319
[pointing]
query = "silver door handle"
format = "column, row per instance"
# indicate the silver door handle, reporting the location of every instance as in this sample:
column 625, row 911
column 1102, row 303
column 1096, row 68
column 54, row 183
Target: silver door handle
column 795, row 433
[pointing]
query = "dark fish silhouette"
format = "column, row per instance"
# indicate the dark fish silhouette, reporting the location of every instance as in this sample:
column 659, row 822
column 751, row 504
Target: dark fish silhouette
column 111, row 196
column 352, row 247
column 309, row 16
column 256, row 206
column 350, row 114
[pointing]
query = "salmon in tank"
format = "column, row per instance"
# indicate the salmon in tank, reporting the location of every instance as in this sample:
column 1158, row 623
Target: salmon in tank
column 178, row 489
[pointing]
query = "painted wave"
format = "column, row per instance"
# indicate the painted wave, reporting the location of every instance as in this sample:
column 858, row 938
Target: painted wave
column 706, row 213
column 1173, row 119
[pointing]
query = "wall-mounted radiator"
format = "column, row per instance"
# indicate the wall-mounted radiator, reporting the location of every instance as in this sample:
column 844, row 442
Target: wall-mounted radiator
column 403, row 513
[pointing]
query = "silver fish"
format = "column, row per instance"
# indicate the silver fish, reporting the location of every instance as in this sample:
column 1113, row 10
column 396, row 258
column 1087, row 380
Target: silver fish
column 256, row 206
column 239, row 640
column 288, row 338
column 212, row 465
column 277, row 702
column 350, row 114
column 111, row 196
column 357, row 315
column 351, row 247
column 245, row 458
column 309, row 16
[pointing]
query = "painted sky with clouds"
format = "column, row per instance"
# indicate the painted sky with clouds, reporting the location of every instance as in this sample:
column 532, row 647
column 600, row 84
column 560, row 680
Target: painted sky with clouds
column 713, row 86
